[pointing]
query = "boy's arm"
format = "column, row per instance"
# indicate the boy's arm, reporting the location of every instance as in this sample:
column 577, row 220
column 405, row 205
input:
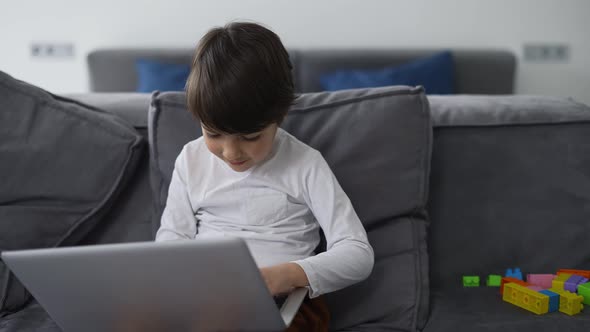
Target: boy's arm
column 178, row 220
column 349, row 257
column 283, row 278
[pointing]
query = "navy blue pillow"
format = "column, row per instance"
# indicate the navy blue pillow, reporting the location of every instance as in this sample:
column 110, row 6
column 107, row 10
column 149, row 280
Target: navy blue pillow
column 435, row 73
column 154, row 75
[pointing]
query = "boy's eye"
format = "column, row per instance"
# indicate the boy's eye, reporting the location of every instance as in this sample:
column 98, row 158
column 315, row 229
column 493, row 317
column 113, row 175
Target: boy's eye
column 211, row 135
column 251, row 138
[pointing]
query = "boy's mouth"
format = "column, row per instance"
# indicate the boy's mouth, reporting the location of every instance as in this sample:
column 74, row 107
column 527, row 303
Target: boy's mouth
column 237, row 163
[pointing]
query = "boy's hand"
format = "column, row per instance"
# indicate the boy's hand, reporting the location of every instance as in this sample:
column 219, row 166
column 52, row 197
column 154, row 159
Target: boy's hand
column 283, row 278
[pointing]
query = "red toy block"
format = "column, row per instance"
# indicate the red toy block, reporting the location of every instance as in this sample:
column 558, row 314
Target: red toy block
column 583, row 273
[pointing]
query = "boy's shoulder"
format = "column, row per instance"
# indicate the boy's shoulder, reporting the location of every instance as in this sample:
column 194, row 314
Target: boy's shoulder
column 294, row 154
column 195, row 145
column 193, row 150
column 292, row 146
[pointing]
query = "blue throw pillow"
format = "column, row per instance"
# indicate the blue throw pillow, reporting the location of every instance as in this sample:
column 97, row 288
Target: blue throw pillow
column 154, row 75
column 435, row 73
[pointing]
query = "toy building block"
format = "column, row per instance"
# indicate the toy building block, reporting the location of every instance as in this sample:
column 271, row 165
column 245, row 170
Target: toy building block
column 543, row 280
column 514, row 274
column 535, row 288
column 506, row 280
column 569, row 303
column 584, row 291
column 553, row 299
column 583, row 273
column 470, row 281
column 525, row 298
column 559, row 281
column 494, row 280
column 571, row 284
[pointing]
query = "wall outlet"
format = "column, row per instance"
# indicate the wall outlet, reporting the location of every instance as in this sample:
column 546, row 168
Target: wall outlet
column 547, row 52
column 52, row 50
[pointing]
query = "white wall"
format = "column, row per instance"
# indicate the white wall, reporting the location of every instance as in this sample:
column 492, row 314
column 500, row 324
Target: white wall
column 300, row 23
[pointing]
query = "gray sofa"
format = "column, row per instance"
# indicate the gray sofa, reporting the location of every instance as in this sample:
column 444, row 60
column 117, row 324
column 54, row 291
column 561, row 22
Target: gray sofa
column 477, row 71
column 445, row 186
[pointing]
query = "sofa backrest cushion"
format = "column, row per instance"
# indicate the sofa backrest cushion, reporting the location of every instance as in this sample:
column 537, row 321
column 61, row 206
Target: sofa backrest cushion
column 62, row 165
column 510, row 186
column 377, row 142
column 128, row 220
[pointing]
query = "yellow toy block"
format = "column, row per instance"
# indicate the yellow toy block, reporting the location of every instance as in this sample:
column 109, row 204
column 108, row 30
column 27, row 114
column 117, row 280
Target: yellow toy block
column 559, row 281
column 569, row 303
column 526, row 298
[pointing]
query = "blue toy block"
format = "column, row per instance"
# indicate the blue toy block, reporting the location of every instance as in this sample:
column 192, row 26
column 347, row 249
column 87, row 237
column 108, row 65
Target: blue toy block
column 514, row 274
column 553, row 300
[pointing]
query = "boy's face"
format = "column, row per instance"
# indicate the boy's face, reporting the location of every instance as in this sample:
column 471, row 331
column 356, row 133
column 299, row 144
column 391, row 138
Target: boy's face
column 241, row 152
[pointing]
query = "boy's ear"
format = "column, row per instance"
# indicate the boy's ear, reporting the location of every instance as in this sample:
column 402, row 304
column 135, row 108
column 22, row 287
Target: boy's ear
column 281, row 119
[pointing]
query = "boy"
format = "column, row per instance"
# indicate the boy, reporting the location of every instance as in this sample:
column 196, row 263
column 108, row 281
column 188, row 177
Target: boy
column 248, row 178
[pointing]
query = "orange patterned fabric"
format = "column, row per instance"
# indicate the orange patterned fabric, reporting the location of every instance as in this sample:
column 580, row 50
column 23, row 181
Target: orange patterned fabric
column 313, row 316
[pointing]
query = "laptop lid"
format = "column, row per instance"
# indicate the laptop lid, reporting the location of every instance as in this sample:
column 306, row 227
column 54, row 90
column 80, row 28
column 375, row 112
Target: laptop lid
column 212, row 284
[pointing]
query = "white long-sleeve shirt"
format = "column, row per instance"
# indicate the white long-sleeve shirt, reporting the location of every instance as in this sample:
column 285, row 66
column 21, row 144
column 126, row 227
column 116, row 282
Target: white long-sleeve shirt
column 277, row 207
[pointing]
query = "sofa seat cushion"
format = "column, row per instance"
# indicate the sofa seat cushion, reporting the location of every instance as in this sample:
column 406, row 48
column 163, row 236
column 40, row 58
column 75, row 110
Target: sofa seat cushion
column 377, row 143
column 483, row 310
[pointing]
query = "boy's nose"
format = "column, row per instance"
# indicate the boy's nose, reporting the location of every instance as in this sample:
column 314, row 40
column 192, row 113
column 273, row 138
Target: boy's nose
column 231, row 152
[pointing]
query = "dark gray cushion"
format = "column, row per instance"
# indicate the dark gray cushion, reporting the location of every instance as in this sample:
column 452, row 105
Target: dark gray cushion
column 128, row 220
column 63, row 165
column 510, row 186
column 32, row 318
column 377, row 142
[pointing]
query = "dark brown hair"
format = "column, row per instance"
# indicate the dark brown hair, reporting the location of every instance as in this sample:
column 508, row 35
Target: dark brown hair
column 240, row 80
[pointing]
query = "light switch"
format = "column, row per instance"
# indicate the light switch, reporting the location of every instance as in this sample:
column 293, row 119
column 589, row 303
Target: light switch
column 546, row 52
column 52, row 50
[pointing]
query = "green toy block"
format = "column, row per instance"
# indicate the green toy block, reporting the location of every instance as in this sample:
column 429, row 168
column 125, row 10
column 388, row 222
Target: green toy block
column 584, row 291
column 494, row 280
column 470, row 281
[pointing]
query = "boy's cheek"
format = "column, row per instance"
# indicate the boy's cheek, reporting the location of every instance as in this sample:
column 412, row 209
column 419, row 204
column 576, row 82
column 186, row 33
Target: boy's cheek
column 213, row 148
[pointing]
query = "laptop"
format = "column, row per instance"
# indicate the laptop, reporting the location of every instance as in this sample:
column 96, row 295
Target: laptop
column 210, row 284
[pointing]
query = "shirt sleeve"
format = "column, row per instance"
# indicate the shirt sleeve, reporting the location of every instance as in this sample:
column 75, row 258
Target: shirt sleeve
column 349, row 257
column 178, row 220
